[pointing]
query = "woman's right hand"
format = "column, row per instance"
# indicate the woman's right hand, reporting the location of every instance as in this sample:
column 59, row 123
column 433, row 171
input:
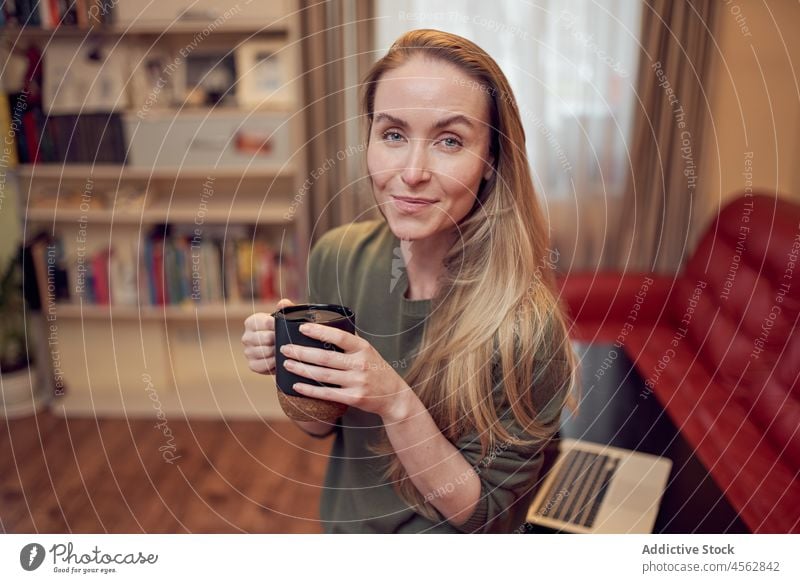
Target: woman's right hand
column 259, row 340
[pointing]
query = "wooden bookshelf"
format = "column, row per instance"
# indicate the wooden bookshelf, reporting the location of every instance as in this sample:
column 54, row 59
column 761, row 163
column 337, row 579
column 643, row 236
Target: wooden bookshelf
column 184, row 28
column 51, row 171
column 181, row 213
column 191, row 351
column 158, row 18
column 231, row 310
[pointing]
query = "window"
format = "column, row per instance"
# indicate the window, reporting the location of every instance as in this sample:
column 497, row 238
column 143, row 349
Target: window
column 572, row 66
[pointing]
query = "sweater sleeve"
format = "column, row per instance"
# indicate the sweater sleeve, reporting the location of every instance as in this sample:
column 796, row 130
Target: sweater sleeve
column 510, row 474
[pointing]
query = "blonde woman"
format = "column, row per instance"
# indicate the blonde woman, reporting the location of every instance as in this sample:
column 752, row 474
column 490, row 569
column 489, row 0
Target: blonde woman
column 460, row 366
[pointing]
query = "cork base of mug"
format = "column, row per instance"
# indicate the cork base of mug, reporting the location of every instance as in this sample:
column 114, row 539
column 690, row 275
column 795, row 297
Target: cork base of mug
column 310, row 409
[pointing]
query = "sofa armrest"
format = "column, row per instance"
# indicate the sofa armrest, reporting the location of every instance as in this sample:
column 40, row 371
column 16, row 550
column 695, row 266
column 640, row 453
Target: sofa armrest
column 613, row 296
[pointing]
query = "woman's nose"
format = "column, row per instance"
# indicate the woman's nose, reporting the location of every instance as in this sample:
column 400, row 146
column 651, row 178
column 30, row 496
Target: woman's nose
column 416, row 167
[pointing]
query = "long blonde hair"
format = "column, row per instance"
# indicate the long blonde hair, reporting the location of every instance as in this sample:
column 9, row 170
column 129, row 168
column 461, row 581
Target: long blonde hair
column 498, row 294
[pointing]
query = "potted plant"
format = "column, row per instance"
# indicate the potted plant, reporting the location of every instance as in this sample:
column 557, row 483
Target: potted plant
column 17, row 394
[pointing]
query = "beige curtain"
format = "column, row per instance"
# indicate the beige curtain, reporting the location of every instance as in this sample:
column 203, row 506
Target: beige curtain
column 338, row 49
column 655, row 218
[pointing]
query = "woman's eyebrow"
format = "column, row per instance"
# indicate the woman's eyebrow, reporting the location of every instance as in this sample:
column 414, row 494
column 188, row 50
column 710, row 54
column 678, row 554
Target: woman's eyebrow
column 454, row 119
column 444, row 122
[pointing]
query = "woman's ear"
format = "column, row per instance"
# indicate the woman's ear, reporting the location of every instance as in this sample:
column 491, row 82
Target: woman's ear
column 489, row 167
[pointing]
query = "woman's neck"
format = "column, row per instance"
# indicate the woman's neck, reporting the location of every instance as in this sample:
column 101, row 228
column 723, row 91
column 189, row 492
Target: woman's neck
column 424, row 261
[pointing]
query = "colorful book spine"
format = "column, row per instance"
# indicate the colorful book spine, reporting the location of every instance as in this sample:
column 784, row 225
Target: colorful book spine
column 100, row 270
column 157, row 272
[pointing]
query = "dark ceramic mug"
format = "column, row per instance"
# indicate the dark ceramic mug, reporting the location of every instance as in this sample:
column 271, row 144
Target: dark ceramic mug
column 287, row 331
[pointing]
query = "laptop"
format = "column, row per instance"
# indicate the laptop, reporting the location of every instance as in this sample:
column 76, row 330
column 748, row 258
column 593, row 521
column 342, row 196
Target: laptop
column 594, row 488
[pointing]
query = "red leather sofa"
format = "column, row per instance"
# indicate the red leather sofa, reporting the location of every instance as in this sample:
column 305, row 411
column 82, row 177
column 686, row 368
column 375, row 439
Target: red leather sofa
column 719, row 346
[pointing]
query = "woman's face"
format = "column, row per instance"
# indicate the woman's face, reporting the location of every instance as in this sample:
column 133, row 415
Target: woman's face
column 429, row 143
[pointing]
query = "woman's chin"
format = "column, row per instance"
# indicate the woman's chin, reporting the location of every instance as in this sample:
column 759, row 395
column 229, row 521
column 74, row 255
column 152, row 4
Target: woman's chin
column 408, row 228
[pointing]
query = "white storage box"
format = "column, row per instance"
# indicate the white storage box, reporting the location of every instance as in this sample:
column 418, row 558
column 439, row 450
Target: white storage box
column 223, row 139
column 184, row 14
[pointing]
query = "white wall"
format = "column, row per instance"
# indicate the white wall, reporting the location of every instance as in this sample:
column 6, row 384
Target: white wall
column 754, row 103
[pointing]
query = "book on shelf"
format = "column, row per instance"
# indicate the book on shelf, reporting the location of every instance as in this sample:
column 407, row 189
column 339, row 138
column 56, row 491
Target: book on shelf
column 99, row 273
column 22, row 12
column 50, row 282
column 123, row 286
column 5, row 126
column 28, row 121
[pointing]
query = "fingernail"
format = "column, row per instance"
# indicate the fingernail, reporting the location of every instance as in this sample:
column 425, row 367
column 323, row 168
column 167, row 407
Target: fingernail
column 305, row 327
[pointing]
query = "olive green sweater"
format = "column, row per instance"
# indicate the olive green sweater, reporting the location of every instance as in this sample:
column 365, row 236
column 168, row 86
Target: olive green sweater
column 360, row 266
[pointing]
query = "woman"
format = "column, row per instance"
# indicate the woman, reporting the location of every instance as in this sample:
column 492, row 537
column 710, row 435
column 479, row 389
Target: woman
column 460, row 366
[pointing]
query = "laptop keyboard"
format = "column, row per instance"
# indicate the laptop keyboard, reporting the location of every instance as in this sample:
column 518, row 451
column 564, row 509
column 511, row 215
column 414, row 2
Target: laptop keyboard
column 579, row 488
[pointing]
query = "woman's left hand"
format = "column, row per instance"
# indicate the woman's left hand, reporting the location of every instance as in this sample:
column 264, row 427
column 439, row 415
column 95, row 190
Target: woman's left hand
column 367, row 381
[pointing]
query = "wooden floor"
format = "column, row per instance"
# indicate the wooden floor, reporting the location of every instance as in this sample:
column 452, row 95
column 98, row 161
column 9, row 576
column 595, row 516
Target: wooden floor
column 108, row 475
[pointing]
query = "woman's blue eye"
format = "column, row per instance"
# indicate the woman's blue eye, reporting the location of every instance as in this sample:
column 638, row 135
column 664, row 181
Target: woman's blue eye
column 451, row 142
column 391, row 136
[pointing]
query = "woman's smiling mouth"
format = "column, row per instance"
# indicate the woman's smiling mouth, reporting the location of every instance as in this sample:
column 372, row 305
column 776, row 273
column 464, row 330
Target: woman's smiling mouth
column 411, row 205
